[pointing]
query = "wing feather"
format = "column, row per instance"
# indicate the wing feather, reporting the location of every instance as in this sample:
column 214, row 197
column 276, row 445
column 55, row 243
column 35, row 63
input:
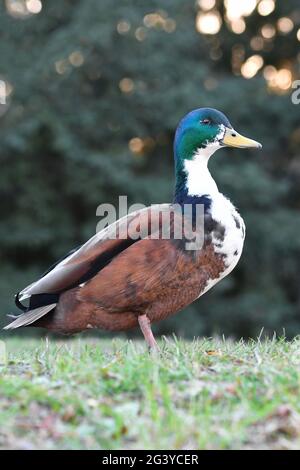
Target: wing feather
column 91, row 257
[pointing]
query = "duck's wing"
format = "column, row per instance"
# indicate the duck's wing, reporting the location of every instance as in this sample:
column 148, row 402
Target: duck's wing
column 83, row 263
column 130, row 266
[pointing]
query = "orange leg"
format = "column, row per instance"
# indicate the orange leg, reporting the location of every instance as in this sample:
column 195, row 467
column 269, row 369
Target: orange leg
column 145, row 326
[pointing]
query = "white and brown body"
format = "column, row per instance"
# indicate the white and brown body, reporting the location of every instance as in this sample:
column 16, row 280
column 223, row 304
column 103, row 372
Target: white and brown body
column 116, row 283
column 108, row 283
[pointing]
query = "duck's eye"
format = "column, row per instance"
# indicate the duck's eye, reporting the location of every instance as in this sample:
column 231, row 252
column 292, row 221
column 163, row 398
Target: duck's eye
column 206, row 121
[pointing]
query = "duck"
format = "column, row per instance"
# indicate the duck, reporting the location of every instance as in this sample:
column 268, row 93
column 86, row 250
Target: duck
column 129, row 275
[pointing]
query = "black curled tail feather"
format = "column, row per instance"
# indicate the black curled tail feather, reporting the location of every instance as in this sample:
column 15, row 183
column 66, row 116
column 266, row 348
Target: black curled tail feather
column 19, row 303
column 36, row 301
column 39, row 306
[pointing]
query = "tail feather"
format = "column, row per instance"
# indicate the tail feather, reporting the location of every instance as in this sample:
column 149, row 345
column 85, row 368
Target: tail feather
column 27, row 318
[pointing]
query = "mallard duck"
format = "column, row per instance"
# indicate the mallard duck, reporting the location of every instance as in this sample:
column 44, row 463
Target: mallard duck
column 118, row 282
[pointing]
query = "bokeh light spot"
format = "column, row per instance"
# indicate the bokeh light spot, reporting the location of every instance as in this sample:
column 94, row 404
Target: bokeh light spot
column 285, row 25
column 123, row 27
column 266, row 7
column 34, row 6
column 170, row 25
column 61, row 66
column 238, row 26
column 278, row 80
column 140, row 34
column 257, row 43
column 126, row 85
column 208, row 23
column 252, row 65
column 238, row 8
column 206, row 4
column 76, row 58
column 136, row 145
column 268, row 31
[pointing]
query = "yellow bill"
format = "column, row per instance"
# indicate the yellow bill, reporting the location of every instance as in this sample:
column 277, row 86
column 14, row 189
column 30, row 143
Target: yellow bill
column 234, row 139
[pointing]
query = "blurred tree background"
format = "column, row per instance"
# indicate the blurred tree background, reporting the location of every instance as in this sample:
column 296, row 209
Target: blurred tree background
column 91, row 93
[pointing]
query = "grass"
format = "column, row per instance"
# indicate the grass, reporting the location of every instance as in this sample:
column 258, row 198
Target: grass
column 97, row 394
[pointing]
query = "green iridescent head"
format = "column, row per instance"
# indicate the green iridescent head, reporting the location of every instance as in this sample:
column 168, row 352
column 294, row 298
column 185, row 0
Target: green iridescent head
column 207, row 128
